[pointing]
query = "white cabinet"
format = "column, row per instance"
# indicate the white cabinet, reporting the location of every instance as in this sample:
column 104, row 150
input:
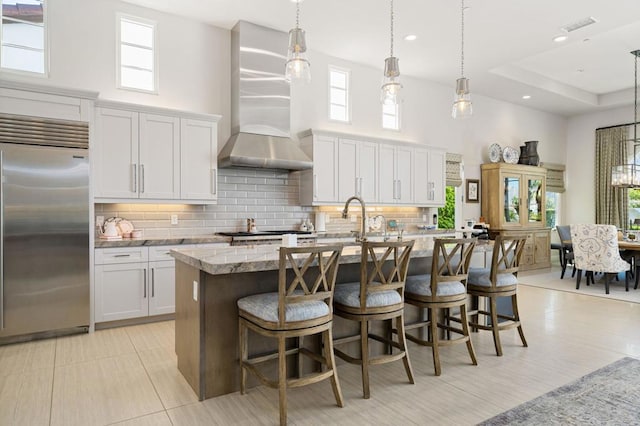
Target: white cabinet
column 133, row 282
column 429, row 177
column 319, row 185
column 357, row 169
column 396, row 173
column 199, row 160
column 154, row 154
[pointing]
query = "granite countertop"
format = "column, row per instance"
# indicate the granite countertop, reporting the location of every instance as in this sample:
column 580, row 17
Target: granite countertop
column 208, row 239
column 253, row 258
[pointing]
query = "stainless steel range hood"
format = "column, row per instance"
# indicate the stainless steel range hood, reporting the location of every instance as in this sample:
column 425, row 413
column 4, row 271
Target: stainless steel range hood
column 260, row 99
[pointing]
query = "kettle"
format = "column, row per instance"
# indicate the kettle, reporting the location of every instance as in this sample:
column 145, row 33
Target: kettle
column 109, row 229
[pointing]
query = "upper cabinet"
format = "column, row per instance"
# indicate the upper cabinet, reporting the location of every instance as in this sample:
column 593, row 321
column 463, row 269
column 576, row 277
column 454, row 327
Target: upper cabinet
column 379, row 171
column 143, row 154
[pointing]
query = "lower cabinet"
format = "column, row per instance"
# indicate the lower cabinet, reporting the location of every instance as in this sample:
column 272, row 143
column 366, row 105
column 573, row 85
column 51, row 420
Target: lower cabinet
column 537, row 249
column 133, row 282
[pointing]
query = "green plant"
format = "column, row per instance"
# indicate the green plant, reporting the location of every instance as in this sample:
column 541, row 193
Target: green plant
column 447, row 214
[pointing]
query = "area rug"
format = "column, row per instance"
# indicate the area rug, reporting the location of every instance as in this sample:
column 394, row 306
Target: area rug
column 550, row 279
column 606, row 396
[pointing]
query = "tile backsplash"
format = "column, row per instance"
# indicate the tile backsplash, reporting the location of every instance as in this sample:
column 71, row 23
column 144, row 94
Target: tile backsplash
column 269, row 196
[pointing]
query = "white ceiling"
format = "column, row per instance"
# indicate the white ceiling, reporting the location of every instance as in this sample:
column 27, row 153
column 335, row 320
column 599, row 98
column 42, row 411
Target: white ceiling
column 509, row 50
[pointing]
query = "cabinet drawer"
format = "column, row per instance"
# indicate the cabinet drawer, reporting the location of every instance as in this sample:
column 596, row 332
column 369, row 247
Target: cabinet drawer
column 163, row 252
column 106, row 256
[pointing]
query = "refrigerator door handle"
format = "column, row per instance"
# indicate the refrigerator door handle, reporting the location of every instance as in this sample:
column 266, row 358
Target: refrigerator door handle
column 2, row 240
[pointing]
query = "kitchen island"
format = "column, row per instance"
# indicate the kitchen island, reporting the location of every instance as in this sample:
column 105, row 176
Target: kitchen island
column 208, row 284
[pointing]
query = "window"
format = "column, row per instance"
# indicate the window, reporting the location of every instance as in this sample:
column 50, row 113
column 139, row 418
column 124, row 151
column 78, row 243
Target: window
column 447, row 214
column 137, row 56
column 24, row 36
column 391, row 116
column 553, row 209
column 338, row 94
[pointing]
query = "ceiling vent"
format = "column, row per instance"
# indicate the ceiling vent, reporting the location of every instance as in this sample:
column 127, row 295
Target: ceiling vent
column 579, row 24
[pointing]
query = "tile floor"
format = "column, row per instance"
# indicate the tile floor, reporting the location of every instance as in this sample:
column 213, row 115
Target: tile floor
column 127, row 376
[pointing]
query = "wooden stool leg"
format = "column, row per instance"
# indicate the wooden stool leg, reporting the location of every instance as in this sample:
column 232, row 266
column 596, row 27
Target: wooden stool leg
column 493, row 310
column 300, row 355
column 433, row 327
column 465, row 332
column 516, row 314
column 242, row 340
column 364, row 348
column 282, row 379
column 402, row 341
column 331, row 365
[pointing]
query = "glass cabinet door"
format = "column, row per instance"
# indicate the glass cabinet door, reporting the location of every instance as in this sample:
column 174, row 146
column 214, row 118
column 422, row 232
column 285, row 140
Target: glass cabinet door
column 511, row 188
column 535, row 200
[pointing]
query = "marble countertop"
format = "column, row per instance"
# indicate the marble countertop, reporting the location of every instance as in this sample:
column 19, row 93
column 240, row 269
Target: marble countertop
column 208, row 239
column 254, row 258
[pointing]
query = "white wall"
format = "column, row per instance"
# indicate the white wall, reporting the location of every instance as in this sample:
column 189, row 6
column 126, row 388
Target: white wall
column 194, row 75
column 581, row 139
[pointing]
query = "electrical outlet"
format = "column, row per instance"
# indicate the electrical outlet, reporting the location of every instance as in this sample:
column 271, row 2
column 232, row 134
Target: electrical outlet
column 99, row 220
column 174, row 219
column 195, row 291
column 354, row 218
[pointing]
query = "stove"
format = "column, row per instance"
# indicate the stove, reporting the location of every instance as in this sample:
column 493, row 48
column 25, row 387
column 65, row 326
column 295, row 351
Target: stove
column 266, row 237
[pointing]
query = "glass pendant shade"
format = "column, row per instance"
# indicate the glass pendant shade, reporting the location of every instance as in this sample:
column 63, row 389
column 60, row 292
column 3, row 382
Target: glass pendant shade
column 391, row 81
column 462, row 106
column 297, row 66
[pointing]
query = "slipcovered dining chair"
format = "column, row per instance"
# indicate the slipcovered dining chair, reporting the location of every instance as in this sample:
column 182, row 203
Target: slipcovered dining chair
column 379, row 296
column 595, row 249
column 444, row 288
column 301, row 307
column 501, row 280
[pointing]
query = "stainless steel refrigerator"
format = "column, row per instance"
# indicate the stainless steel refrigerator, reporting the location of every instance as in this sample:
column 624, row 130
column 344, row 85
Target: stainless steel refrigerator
column 44, row 228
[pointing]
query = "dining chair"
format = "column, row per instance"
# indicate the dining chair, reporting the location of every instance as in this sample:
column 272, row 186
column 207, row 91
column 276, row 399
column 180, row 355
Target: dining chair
column 595, row 249
column 444, row 288
column 379, row 296
column 500, row 280
column 302, row 306
column 566, row 249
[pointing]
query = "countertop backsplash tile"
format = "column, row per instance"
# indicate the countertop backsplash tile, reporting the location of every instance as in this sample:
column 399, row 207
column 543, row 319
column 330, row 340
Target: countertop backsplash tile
column 269, row 196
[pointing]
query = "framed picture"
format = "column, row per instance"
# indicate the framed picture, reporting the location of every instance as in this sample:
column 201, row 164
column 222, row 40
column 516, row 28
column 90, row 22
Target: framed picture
column 473, row 191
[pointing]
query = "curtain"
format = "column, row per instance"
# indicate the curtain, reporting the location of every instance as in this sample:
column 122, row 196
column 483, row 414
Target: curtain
column 555, row 177
column 454, row 176
column 611, row 203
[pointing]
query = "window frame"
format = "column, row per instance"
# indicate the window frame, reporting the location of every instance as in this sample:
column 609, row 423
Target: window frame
column 154, row 50
column 347, row 90
column 397, row 117
column 45, row 48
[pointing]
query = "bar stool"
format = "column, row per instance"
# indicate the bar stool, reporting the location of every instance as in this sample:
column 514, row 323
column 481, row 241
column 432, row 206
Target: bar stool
column 378, row 296
column 444, row 288
column 498, row 281
column 301, row 307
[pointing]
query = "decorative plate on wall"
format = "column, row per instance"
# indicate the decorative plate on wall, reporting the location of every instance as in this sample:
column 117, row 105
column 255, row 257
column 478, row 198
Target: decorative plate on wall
column 495, row 153
column 510, row 155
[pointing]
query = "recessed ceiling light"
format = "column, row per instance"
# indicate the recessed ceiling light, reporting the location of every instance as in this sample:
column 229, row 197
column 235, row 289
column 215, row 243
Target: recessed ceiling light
column 526, row 97
column 580, row 70
column 410, row 37
column 559, row 38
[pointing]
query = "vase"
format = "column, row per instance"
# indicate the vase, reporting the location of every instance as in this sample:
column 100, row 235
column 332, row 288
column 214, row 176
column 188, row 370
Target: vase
column 532, row 153
column 524, row 158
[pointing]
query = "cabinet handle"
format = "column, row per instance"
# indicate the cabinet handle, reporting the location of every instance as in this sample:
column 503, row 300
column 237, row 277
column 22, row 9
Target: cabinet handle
column 360, row 191
column 395, row 189
column 357, row 186
column 144, row 284
column 141, row 178
column 134, row 174
column 153, row 282
column 121, row 255
column 214, row 181
column 315, row 186
column 399, row 189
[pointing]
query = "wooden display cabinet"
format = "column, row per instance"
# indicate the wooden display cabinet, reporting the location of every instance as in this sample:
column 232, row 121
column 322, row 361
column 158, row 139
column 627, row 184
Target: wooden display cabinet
column 514, row 200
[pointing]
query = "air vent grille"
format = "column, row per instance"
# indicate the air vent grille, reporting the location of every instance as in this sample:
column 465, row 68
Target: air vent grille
column 579, row 24
column 42, row 131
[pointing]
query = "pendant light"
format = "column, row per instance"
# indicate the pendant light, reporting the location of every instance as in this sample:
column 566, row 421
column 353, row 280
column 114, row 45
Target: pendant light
column 628, row 175
column 297, row 66
column 391, row 81
column 462, row 106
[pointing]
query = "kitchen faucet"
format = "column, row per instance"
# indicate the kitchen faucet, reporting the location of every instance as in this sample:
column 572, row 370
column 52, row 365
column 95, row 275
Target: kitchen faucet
column 363, row 228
